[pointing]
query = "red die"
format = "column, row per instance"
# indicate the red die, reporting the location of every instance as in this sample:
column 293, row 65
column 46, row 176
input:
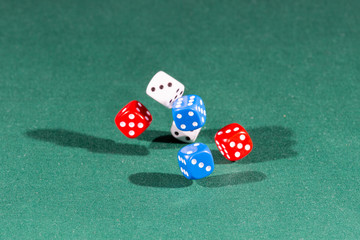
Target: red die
column 233, row 141
column 133, row 119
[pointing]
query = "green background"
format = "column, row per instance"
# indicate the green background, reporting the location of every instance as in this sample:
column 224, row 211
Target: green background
column 288, row 71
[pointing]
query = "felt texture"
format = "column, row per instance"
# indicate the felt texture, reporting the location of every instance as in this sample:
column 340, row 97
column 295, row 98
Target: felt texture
column 287, row 71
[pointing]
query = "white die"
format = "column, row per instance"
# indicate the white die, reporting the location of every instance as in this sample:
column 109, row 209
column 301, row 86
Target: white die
column 165, row 89
column 188, row 136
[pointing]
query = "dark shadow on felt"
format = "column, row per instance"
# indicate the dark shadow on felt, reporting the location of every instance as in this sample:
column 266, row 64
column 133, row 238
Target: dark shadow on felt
column 232, row 179
column 167, row 139
column 161, row 140
column 270, row 143
column 159, row 180
column 151, row 135
column 67, row 138
column 218, row 158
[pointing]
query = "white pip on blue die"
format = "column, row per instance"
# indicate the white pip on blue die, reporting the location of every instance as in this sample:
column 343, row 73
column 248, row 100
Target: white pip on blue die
column 196, row 161
column 188, row 136
column 189, row 113
column 165, row 89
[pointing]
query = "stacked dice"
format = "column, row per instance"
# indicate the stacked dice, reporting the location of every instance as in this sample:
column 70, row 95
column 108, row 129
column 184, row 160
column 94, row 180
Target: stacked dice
column 189, row 116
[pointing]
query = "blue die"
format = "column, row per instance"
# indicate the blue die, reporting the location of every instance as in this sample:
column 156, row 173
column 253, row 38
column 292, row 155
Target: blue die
column 189, row 113
column 196, row 161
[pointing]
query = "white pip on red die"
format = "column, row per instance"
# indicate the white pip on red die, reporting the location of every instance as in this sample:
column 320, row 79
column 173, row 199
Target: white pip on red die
column 189, row 113
column 233, row 141
column 188, row 136
column 133, row 119
column 164, row 89
column 196, row 161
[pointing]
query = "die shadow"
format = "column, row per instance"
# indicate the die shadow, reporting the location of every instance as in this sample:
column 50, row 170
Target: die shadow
column 270, row 143
column 166, row 180
column 219, row 159
column 67, row 138
column 160, row 140
column 159, row 180
column 232, row 179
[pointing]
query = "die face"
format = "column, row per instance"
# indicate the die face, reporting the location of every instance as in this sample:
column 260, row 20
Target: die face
column 133, row 119
column 141, row 109
column 233, row 141
column 226, row 132
column 189, row 113
column 131, row 124
column 190, row 149
column 187, row 120
column 202, row 165
column 188, row 137
column 183, row 167
column 243, row 147
column 196, row 161
column 165, row 89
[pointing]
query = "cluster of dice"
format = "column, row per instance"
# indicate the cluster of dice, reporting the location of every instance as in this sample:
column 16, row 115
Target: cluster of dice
column 189, row 116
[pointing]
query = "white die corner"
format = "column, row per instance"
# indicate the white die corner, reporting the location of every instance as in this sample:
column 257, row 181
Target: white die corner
column 161, row 75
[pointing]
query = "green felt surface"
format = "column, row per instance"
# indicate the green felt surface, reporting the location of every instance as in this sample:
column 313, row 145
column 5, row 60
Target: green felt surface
column 288, row 71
